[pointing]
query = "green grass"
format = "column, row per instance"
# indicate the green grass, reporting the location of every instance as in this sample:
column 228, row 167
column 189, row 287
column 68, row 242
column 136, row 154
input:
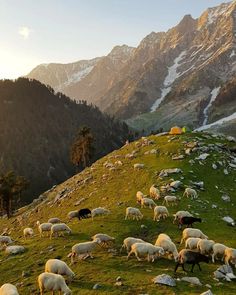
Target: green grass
column 120, row 187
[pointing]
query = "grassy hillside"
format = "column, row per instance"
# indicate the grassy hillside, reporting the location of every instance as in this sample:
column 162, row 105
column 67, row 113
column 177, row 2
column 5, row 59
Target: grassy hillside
column 116, row 190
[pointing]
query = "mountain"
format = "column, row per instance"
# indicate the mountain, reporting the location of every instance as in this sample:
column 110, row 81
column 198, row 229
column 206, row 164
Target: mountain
column 37, row 128
column 172, row 77
column 116, row 189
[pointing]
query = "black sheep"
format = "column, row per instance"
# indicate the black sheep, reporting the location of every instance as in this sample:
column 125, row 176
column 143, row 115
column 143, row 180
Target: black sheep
column 190, row 257
column 188, row 220
column 84, row 213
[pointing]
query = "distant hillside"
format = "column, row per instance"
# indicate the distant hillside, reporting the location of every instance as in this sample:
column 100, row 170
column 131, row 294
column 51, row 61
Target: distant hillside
column 37, row 128
column 112, row 184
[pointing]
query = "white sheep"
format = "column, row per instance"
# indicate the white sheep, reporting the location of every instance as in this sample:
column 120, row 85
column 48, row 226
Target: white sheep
column 15, row 249
column 105, row 239
column 170, row 200
column 179, row 214
column 191, row 243
column 72, row 214
column 44, row 227
column 147, row 202
column 8, row 289
column 128, row 242
column 190, row 192
column 82, row 249
column 139, row 196
column 230, row 256
column 28, row 232
column 99, row 211
column 205, row 246
column 59, row 267
column 154, row 192
column 218, row 249
column 5, row 240
column 138, row 166
column 164, row 236
column 133, row 213
column 168, row 246
column 58, row 228
column 192, row 233
column 52, row 282
column 146, row 249
column 160, row 212
column 54, row 220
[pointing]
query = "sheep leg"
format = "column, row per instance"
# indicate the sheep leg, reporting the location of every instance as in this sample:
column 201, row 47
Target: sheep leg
column 213, row 258
column 129, row 254
column 199, row 266
column 136, row 254
column 176, row 267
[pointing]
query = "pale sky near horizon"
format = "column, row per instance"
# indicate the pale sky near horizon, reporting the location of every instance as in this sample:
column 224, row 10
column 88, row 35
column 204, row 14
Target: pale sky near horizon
column 63, row 31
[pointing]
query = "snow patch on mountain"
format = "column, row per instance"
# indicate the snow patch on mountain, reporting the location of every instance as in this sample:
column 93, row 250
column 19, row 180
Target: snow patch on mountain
column 232, row 54
column 219, row 122
column 214, row 94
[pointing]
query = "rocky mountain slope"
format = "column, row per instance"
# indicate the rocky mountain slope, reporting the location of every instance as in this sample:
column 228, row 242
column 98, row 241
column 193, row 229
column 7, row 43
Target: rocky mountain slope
column 113, row 184
column 38, row 127
column 172, row 77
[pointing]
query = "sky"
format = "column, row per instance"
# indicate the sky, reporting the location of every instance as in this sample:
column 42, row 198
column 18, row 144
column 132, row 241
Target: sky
column 34, row 32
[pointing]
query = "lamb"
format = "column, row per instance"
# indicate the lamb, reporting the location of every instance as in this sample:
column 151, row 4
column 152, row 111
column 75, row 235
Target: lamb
column 192, row 233
column 52, row 282
column 190, row 192
column 188, row 221
column 218, row 249
column 160, row 212
column 5, row 240
column 83, row 248
column 167, row 245
column 230, row 256
column 205, row 246
column 191, row 243
column 99, row 211
column 15, row 249
column 59, row 227
column 170, row 200
column 105, row 239
column 59, row 267
column 141, row 249
column 44, row 227
column 54, row 220
column 154, row 192
column 134, row 213
column 139, row 196
column 8, row 289
column 128, row 242
column 190, row 257
column 28, row 232
column 147, row 202
column 180, row 214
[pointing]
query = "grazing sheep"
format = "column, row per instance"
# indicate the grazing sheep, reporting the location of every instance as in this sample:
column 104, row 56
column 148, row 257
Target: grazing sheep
column 8, row 289
column 5, row 240
column 73, row 214
column 147, row 202
column 205, row 246
column 160, row 212
column 105, row 240
column 230, row 256
column 59, row 227
column 179, row 215
column 164, row 237
column 138, row 166
column 44, row 227
column 134, row 213
column 84, row 213
column 59, row 267
column 54, row 220
column 99, row 211
column 28, row 232
column 15, row 249
column 218, row 249
column 170, row 200
column 142, row 249
column 167, row 245
column 191, row 243
column 190, row 257
column 128, row 242
column 83, row 248
column 190, row 192
column 52, row 282
column 154, row 192
column 139, row 196
column 188, row 221
column 192, row 233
